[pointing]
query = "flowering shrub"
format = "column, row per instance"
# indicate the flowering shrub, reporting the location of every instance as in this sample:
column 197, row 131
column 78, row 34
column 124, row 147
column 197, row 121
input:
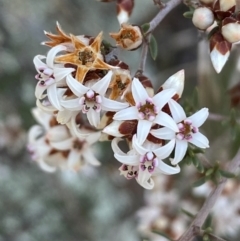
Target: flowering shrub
column 85, row 93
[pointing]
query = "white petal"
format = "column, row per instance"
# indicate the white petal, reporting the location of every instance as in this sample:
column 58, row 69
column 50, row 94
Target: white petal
column 131, row 160
column 163, row 97
column 57, row 133
column 77, row 88
column 175, row 82
column 116, row 148
column 199, row 140
column 143, row 129
column 41, row 117
column 218, row 60
column 138, row 147
column 39, row 90
column 143, row 177
column 93, row 117
column 177, row 111
column 180, row 151
column 93, row 137
column 74, row 128
column 90, row 158
column 113, row 129
column 164, row 151
column 138, row 91
column 61, row 73
column 53, row 96
column 164, row 119
column 102, row 85
column 48, row 109
column 34, row 132
column 199, row 117
column 52, row 53
column 64, row 116
column 166, row 169
column 46, row 167
column 148, row 184
column 72, row 104
column 74, row 161
column 111, row 105
column 163, row 133
column 130, row 113
column 38, row 62
column 62, row 145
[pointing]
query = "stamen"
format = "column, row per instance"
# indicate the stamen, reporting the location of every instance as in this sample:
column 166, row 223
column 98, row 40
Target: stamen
column 90, row 94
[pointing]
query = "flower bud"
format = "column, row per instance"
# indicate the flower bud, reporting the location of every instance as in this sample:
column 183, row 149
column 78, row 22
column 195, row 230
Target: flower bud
column 231, row 32
column 203, row 18
column 124, row 10
column 129, row 37
column 226, row 5
column 175, row 82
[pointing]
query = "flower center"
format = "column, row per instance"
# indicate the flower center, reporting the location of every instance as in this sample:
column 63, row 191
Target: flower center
column 45, row 76
column 78, row 145
column 126, row 34
column 86, row 57
column 91, row 100
column 148, row 111
column 128, row 171
column 148, row 162
column 186, row 129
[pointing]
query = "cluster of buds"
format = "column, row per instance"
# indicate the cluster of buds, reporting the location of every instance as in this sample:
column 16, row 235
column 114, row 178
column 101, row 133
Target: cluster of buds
column 83, row 95
column 220, row 17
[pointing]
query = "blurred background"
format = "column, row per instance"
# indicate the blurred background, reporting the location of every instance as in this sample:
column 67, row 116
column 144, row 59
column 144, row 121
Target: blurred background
column 95, row 204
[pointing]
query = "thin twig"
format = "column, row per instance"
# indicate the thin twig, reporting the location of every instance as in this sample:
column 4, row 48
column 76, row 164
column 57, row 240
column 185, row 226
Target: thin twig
column 204, row 160
column 209, row 202
column 162, row 14
column 153, row 24
column 144, row 53
column 218, row 117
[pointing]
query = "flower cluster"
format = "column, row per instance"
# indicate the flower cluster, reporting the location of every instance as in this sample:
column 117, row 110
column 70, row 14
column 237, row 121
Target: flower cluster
column 85, row 93
column 219, row 15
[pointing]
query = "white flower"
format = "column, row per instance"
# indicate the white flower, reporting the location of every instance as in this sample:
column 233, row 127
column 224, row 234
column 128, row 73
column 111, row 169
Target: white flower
column 50, row 75
column 187, row 130
column 54, row 146
column 147, row 110
column 91, row 99
column 145, row 160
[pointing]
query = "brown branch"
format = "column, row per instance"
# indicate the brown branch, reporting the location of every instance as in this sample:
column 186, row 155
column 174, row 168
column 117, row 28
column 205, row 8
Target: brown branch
column 162, row 14
column 153, row 24
column 209, row 202
column 143, row 57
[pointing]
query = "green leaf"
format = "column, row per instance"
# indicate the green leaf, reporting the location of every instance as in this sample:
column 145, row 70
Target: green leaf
column 200, row 167
column 188, row 14
column 199, row 182
column 187, row 213
column 153, row 47
column 209, row 172
column 145, row 27
column 227, row 174
column 195, row 161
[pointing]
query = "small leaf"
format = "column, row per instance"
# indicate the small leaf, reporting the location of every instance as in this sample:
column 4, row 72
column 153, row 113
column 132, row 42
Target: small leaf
column 188, row 14
column 199, row 182
column 207, row 224
column 227, row 174
column 187, row 213
column 195, row 161
column 200, row 167
column 209, row 172
column 153, row 47
column 145, row 27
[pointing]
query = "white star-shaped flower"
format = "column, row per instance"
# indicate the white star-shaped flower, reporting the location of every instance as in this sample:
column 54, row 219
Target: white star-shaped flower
column 91, row 99
column 187, row 130
column 147, row 110
column 50, row 75
column 147, row 158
